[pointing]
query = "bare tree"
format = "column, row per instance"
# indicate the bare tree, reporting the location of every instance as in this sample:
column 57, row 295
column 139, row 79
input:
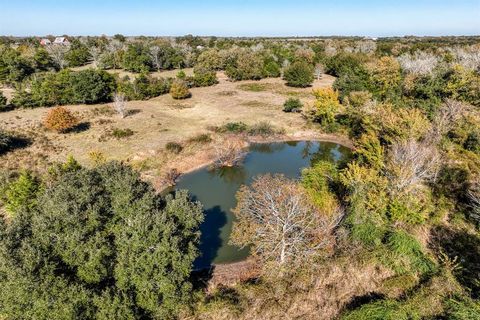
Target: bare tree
column 229, row 153
column 95, row 53
column 120, row 104
column 318, row 71
column 277, row 219
column 57, row 53
column 449, row 113
column 411, row 164
column 155, row 56
column 421, row 63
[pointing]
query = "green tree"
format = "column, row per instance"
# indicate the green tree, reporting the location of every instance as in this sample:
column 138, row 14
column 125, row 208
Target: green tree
column 99, row 244
column 299, row 74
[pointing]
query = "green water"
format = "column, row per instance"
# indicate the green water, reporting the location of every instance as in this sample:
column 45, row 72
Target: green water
column 216, row 189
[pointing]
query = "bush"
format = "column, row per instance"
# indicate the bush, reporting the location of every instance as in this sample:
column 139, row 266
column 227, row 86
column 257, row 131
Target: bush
column 263, row 128
column 201, row 138
column 293, row 105
column 3, row 101
column 136, row 58
column 5, row 141
column 60, row 120
column 174, row 147
column 21, row 193
column 233, row 127
column 299, row 74
column 245, row 65
column 472, row 142
column 68, row 87
column 179, row 90
column 122, row 133
column 204, row 78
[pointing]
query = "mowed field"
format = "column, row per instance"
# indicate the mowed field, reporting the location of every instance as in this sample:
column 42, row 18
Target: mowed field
column 160, row 120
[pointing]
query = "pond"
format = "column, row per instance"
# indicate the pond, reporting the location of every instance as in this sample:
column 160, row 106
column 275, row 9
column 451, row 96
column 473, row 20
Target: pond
column 216, row 189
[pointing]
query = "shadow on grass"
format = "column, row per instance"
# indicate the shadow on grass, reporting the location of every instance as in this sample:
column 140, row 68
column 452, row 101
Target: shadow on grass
column 14, row 143
column 81, row 127
column 465, row 248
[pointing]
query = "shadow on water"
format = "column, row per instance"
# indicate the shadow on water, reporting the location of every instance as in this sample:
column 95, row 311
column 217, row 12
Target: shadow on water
column 210, row 240
column 236, row 175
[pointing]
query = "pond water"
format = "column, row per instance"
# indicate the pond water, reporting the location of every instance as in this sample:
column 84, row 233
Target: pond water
column 216, row 189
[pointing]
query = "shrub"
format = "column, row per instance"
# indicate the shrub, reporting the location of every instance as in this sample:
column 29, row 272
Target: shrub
column 3, row 101
column 60, row 120
column 233, row 127
column 472, row 142
column 204, row 78
column 179, row 90
column 299, row 74
column 122, row 133
column 5, row 141
column 181, row 75
column 293, row 105
column 263, row 128
column 174, row 147
column 137, row 58
column 201, row 138
column 21, row 193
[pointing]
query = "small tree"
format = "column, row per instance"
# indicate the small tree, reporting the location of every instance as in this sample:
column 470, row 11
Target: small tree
column 318, row 71
column 60, row 119
column 95, row 54
column 229, row 153
column 276, row 218
column 293, row 105
column 299, row 74
column 325, row 107
column 179, row 90
column 120, row 104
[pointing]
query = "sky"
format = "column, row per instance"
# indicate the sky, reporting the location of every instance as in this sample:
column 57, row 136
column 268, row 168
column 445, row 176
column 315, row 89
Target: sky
column 240, row 17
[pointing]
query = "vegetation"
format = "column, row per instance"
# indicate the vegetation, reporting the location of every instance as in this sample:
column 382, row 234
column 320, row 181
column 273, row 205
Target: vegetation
column 391, row 234
column 60, row 119
column 299, row 74
column 179, row 90
column 93, row 243
column 293, row 105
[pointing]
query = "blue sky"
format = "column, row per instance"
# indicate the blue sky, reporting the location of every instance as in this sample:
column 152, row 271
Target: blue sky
column 240, row 18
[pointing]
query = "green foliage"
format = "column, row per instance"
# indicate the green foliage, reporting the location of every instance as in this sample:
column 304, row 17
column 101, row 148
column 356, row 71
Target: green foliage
column 234, row 127
column 201, row 138
column 21, row 193
column 204, row 78
column 42, row 60
column 299, row 74
column 271, row 68
column 472, row 142
column 381, row 310
column 292, row 105
column 5, row 141
column 144, row 87
column 122, row 133
column 262, row 128
column 99, row 243
column 319, row 182
column 181, row 75
column 174, row 147
column 245, row 65
column 3, row 101
column 179, row 90
column 136, row 58
column 463, row 308
column 14, row 67
column 369, row 151
column 78, row 54
column 67, row 87
column 325, row 108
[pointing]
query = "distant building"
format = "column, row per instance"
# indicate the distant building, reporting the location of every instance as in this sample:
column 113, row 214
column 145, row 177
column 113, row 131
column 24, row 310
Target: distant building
column 45, row 42
column 61, row 40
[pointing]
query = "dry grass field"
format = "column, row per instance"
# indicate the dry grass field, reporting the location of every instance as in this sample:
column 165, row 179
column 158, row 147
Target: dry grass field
column 156, row 122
